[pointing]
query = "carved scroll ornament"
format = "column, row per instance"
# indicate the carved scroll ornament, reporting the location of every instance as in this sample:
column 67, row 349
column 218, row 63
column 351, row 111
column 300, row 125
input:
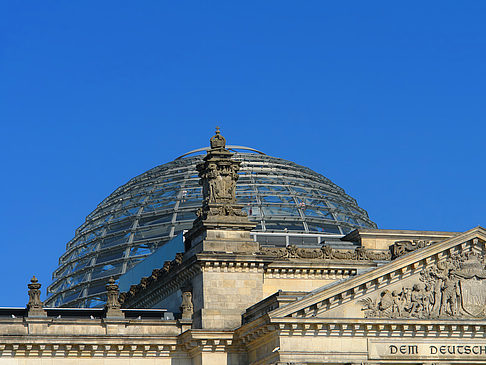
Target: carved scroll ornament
column 455, row 288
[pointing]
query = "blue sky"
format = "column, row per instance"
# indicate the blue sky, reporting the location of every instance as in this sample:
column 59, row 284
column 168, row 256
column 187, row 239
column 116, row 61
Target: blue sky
column 386, row 99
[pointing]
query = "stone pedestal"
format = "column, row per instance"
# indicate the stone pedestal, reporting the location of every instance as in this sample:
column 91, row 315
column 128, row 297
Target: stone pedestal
column 220, row 240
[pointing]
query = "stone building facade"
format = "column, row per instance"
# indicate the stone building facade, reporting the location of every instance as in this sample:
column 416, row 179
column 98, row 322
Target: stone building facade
column 393, row 297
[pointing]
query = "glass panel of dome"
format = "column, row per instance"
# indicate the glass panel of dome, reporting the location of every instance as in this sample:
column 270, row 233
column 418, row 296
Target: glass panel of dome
column 94, row 234
column 264, row 180
column 193, row 191
column 362, row 223
column 346, row 230
column 76, row 279
column 186, row 215
column 114, row 240
column 64, row 271
column 97, row 301
column 279, row 189
column 280, row 226
column 87, row 249
column 161, row 230
column 133, row 261
column 163, row 194
column 248, row 199
column 70, row 256
column 124, row 214
column 158, row 206
column 323, row 228
column 317, row 213
column 148, row 221
column 302, row 191
column 280, row 211
column 95, row 289
column 241, row 189
column 58, row 287
column 78, row 265
column 141, row 250
column 190, row 203
column 277, row 199
column 72, row 294
column 106, row 270
column 340, row 216
column 120, row 226
column 110, row 255
column 101, row 221
column 351, row 220
column 252, row 211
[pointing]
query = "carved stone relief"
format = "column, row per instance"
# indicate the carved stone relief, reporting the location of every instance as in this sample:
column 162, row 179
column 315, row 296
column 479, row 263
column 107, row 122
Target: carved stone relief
column 400, row 248
column 326, row 252
column 455, row 288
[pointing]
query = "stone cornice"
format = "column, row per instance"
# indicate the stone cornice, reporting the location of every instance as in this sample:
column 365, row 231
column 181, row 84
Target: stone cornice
column 396, row 234
column 203, row 340
column 90, row 346
column 354, row 327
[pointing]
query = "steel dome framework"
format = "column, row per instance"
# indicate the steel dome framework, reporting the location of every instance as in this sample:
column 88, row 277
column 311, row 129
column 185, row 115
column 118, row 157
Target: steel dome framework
column 152, row 208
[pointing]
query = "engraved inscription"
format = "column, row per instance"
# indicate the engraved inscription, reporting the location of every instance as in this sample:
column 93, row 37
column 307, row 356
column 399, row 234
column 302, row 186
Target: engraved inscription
column 382, row 349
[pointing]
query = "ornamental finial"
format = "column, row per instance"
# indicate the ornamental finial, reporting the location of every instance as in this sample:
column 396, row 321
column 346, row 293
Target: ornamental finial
column 35, row 305
column 113, row 307
column 217, row 141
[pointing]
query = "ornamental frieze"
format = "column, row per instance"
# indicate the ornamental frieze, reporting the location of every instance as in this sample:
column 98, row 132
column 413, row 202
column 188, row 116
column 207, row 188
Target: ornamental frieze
column 326, row 252
column 452, row 288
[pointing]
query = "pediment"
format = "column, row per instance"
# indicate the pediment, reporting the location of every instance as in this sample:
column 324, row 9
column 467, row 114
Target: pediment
column 444, row 280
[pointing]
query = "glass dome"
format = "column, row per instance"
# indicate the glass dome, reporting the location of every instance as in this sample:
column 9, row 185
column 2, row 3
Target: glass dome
column 154, row 207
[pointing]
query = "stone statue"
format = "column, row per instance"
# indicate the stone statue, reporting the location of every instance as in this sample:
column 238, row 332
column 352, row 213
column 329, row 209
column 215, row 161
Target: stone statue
column 187, row 308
